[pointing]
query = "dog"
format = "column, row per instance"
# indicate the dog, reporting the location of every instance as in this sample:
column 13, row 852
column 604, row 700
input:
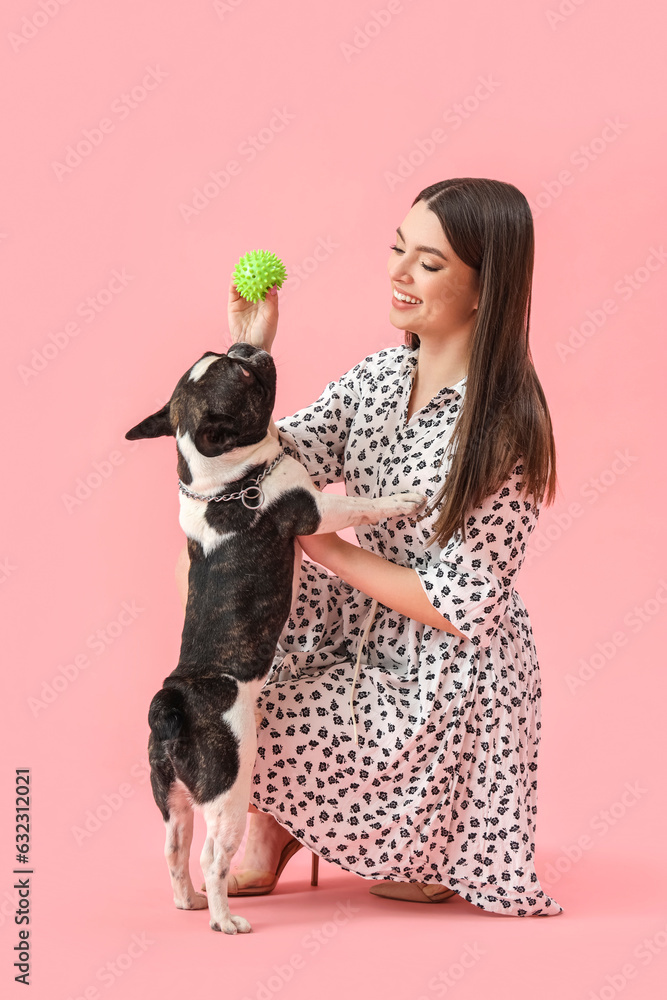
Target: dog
column 243, row 501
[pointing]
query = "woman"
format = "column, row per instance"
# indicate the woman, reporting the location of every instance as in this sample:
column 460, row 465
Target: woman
column 438, row 793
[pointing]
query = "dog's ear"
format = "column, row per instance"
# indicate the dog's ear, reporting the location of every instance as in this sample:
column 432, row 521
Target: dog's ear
column 213, row 437
column 157, row 425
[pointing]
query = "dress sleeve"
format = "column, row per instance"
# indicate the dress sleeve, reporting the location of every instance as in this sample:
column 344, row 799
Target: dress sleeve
column 471, row 583
column 317, row 435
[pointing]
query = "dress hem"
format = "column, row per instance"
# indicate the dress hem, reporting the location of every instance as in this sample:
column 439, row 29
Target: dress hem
column 462, row 892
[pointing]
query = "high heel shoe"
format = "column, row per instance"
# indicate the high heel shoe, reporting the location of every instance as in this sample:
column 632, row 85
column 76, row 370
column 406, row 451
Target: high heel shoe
column 288, row 851
column 412, row 892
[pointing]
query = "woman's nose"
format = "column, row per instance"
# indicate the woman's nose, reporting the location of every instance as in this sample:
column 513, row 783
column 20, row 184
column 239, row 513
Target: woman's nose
column 398, row 271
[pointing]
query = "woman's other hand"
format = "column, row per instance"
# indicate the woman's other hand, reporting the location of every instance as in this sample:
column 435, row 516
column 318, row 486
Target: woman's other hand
column 254, row 323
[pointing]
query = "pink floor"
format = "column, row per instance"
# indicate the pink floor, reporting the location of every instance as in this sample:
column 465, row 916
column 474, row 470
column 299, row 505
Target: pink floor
column 103, row 917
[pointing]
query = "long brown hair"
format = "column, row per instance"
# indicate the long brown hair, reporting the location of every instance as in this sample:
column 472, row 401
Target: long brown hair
column 504, row 417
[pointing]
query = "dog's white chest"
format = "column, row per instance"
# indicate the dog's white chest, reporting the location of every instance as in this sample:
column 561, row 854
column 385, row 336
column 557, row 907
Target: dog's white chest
column 192, row 520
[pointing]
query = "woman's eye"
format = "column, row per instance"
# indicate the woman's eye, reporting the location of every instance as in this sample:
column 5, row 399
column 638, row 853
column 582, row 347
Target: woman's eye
column 425, row 266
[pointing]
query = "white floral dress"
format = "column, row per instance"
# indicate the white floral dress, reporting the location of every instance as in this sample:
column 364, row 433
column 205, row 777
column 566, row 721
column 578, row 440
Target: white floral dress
column 442, row 785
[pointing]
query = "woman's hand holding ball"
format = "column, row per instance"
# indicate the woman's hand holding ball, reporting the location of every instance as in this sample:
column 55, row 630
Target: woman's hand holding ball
column 252, row 306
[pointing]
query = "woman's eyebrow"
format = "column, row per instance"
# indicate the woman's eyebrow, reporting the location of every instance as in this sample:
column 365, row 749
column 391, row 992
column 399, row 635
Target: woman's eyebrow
column 434, row 250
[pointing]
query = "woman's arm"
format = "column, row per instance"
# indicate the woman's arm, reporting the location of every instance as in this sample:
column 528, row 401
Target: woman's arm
column 397, row 587
column 181, row 574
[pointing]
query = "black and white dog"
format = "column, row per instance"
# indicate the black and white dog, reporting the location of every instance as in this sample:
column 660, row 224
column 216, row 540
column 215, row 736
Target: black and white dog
column 243, row 501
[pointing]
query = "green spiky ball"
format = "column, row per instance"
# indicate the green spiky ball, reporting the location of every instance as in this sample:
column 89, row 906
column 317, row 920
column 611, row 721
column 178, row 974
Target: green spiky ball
column 256, row 272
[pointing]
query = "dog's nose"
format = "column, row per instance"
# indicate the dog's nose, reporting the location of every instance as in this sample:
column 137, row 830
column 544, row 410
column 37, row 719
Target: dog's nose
column 244, row 350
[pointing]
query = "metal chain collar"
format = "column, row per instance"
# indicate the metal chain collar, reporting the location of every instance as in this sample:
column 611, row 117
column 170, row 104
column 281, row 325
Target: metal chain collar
column 252, row 493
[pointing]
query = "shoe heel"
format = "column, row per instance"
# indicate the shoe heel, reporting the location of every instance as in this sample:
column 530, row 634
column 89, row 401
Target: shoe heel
column 314, row 868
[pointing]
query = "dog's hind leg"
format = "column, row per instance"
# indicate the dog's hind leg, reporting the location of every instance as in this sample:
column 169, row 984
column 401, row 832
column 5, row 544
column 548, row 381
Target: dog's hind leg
column 225, row 824
column 227, row 813
column 179, row 826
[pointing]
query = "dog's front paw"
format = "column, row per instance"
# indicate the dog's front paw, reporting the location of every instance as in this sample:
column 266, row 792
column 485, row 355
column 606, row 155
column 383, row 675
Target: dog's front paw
column 403, row 503
column 232, row 925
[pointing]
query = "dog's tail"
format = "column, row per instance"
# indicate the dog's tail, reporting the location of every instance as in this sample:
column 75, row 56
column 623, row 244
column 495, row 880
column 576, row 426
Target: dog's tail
column 166, row 715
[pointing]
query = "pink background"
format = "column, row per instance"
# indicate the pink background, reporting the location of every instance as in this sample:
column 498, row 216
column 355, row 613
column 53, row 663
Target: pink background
column 361, row 88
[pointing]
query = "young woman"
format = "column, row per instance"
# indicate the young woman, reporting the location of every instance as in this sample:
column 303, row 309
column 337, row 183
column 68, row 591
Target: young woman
column 438, row 795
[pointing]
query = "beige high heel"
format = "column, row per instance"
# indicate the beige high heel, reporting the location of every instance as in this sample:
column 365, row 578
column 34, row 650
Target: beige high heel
column 412, row 892
column 288, row 851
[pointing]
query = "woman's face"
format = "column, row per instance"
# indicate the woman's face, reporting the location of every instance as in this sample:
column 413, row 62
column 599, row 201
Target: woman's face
column 423, row 266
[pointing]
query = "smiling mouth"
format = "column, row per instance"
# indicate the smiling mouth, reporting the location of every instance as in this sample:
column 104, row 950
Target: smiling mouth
column 410, row 299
